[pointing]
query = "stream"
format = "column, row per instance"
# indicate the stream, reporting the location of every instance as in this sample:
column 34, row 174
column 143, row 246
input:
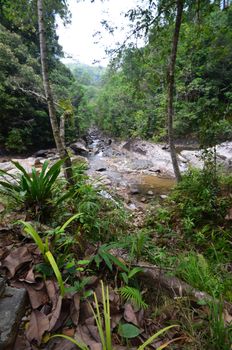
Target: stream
column 137, row 170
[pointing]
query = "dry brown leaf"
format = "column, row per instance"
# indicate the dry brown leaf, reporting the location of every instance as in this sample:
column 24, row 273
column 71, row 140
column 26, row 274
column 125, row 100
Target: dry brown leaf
column 21, row 343
column 85, row 311
column 55, row 314
column 83, row 334
column 75, row 309
column 115, row 319
column 37, row 297
column 30, row 277
column 16, row 259
column 60, row 344
column 64, row 314
column 39, row 324
column 52, row 290
column 90, row 321
column 93, row 330
column 130, row 315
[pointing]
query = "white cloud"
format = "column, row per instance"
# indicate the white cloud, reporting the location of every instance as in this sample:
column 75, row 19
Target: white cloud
column 77, row 38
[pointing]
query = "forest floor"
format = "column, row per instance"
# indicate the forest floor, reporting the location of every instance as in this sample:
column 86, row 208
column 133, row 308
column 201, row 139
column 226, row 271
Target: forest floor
column 167, row 260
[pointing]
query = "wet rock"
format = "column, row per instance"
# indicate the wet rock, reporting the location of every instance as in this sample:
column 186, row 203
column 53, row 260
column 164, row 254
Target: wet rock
column 132, row 206
column 106, row 181
column 101, row 169
column 79, row 148
column 134, row 191
column 150, row 193
column 165, row 147
column 163, row 196
column 6, row 166
column 127, row 145
column 139, row 149
column 12, row 309
column 141, row 164
column 193, row 158
column 42, row 153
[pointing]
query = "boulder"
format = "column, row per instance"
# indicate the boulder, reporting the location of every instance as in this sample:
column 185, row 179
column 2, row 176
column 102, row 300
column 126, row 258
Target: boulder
column 79, row 148
column 12, row 309
column 42, row 153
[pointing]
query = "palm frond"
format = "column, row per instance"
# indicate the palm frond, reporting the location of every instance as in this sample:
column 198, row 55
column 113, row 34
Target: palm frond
column 133, row 295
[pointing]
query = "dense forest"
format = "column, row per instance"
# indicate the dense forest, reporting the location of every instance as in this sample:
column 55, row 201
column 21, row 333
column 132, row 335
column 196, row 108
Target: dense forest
column 115, row 182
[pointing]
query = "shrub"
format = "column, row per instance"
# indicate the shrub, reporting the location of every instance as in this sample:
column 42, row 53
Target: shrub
column 34, row 191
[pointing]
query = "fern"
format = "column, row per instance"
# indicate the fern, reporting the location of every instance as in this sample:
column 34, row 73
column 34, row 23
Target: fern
column 134, row 295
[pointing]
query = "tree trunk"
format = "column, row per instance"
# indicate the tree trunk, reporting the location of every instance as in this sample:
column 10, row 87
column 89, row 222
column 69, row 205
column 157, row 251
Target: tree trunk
column 62, row 129
column 171, row 83
column 49, row 96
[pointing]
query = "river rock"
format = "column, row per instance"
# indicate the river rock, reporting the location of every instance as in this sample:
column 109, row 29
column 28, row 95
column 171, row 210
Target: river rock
column 41, row 153
column 141, row 164
column 150, row 193
column 134, row 191
column 12, row 308
column 163, row 196
column 193, row 158
column 6, row 166
column 79, row 148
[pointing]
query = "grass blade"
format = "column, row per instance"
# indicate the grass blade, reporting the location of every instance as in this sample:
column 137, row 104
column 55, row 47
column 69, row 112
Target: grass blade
column 80, row 345
column 57, row 272
column 154, row 336
column 28, row 228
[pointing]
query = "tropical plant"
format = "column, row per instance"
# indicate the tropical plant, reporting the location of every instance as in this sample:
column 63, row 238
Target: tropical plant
column 33, row 190
column 104, row 326
column 103, row 255
column 44, row 248
column 195, row 270
column 134, row 295
column 220, row 332
column 130, row 274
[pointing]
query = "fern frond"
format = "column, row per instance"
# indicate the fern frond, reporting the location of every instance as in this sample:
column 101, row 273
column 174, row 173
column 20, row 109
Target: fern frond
column 133, row 295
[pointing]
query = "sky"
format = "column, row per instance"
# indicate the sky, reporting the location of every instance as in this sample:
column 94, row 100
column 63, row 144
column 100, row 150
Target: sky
column 77, row 38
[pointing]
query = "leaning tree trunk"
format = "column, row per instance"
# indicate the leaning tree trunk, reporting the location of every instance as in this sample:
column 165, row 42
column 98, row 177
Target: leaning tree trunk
column 171, row 83
column 49, row 96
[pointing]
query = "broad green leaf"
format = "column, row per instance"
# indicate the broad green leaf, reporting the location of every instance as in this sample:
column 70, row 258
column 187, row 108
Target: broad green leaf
column 128, row 331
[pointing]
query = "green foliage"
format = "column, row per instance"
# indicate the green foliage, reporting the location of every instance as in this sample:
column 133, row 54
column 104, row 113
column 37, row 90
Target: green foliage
column 138, row 243
column 130, row 274
column 44, row 249
column 35, row 190
column 198, row 199
column 128, row 331
column 103, row 255
column 104, row 327
column 195, row 270
column 101, row 218
column 104, row 333
column 86, row 75
column 57, row 272
column 133, row 295
column 220, row 333
column 134, row 89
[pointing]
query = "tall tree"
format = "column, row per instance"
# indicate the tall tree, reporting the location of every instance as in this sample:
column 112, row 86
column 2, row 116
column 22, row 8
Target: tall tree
column 49, row 96
column 171, row 84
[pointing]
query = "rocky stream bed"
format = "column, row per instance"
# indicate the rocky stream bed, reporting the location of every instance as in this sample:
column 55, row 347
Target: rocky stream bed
column 136, row 169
